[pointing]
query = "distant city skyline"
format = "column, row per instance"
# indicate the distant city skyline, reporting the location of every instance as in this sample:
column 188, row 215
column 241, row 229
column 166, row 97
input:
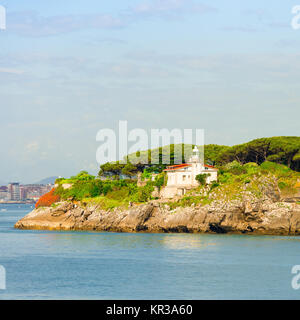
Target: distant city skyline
column 71, row 68
column 16, row 192
column 45, row 181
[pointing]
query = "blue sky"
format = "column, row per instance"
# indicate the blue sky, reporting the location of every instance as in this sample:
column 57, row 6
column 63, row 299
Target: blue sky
column 71, row 68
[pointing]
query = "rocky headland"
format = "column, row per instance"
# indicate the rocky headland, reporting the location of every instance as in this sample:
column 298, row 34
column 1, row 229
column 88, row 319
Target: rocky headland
column 269, row 215
column 247, row 199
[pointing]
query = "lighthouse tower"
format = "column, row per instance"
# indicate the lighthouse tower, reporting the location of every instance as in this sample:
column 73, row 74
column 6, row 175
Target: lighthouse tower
column 195, row 158
column 196, row 165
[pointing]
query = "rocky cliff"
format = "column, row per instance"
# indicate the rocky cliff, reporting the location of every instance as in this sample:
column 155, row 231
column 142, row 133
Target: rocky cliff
column 247, row 216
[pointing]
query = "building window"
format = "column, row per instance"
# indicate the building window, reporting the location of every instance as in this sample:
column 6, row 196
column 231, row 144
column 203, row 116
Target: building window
column 183, row 178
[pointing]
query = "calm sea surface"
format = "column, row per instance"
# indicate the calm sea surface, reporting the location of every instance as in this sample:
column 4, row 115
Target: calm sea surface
column 87, row 265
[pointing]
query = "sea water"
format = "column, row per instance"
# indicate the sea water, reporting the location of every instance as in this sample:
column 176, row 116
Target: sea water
column 98, row 265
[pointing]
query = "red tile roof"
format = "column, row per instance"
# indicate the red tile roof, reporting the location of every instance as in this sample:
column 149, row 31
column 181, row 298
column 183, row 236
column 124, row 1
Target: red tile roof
column 177, row 167
column 184, row 165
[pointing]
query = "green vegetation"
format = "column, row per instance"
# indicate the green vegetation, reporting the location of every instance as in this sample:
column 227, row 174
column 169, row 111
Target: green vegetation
column 188, row 201
column 108, row 193
column 234, row 178
column 282, row 150
column 201, row 178
column 83, row 176
column 129, row 170
column 246, row 167
column 160, row 180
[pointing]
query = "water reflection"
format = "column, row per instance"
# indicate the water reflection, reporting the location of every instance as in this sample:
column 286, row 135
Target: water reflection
column 92, row 241
column 186, row 242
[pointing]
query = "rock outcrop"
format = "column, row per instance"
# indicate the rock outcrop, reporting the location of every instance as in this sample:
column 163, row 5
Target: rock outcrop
column 268, row 215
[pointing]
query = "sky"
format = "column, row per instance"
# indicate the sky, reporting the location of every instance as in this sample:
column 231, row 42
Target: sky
column 71, row 68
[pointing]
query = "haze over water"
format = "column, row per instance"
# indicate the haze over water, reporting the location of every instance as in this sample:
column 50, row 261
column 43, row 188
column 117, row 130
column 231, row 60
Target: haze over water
column 87, row 265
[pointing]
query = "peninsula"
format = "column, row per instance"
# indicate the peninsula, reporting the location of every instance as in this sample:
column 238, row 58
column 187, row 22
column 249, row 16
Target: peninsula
column 255, row 189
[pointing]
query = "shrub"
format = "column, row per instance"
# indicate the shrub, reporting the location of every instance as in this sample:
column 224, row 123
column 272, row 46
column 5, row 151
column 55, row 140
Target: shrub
column 282, row 185
column 238, row 170
column 118, row 193
column 83, row 176
column 48, row 199
column 160, row 180
column 81, row 189
column 251, row 165
column 92, row 188
column 107, row 188
column 232, row 164
column 201, row 178
column 214, row 185
column 143, row 194
column 147, row 174
column 225, row 177
column 272, row 166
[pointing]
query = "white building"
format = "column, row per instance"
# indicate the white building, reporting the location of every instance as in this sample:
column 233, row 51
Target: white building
column 14, row 191
column 182, row 177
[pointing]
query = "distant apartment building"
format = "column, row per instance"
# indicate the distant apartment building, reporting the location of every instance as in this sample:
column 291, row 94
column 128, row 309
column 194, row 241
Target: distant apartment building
column 14, row 191
column 23, row 193
column 3, row 193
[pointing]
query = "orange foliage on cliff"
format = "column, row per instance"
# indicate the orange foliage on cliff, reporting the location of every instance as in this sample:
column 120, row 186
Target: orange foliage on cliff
column 48, row 199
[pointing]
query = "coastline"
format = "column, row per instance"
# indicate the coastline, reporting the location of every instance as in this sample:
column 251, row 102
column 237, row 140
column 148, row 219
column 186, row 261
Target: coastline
column 259, row 218
column 17, row 202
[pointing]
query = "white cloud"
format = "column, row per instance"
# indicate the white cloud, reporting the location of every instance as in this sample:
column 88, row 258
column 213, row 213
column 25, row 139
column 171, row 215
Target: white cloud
column 171, row 7
column 32, row 24
column 32, row 147
column 12, row 71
